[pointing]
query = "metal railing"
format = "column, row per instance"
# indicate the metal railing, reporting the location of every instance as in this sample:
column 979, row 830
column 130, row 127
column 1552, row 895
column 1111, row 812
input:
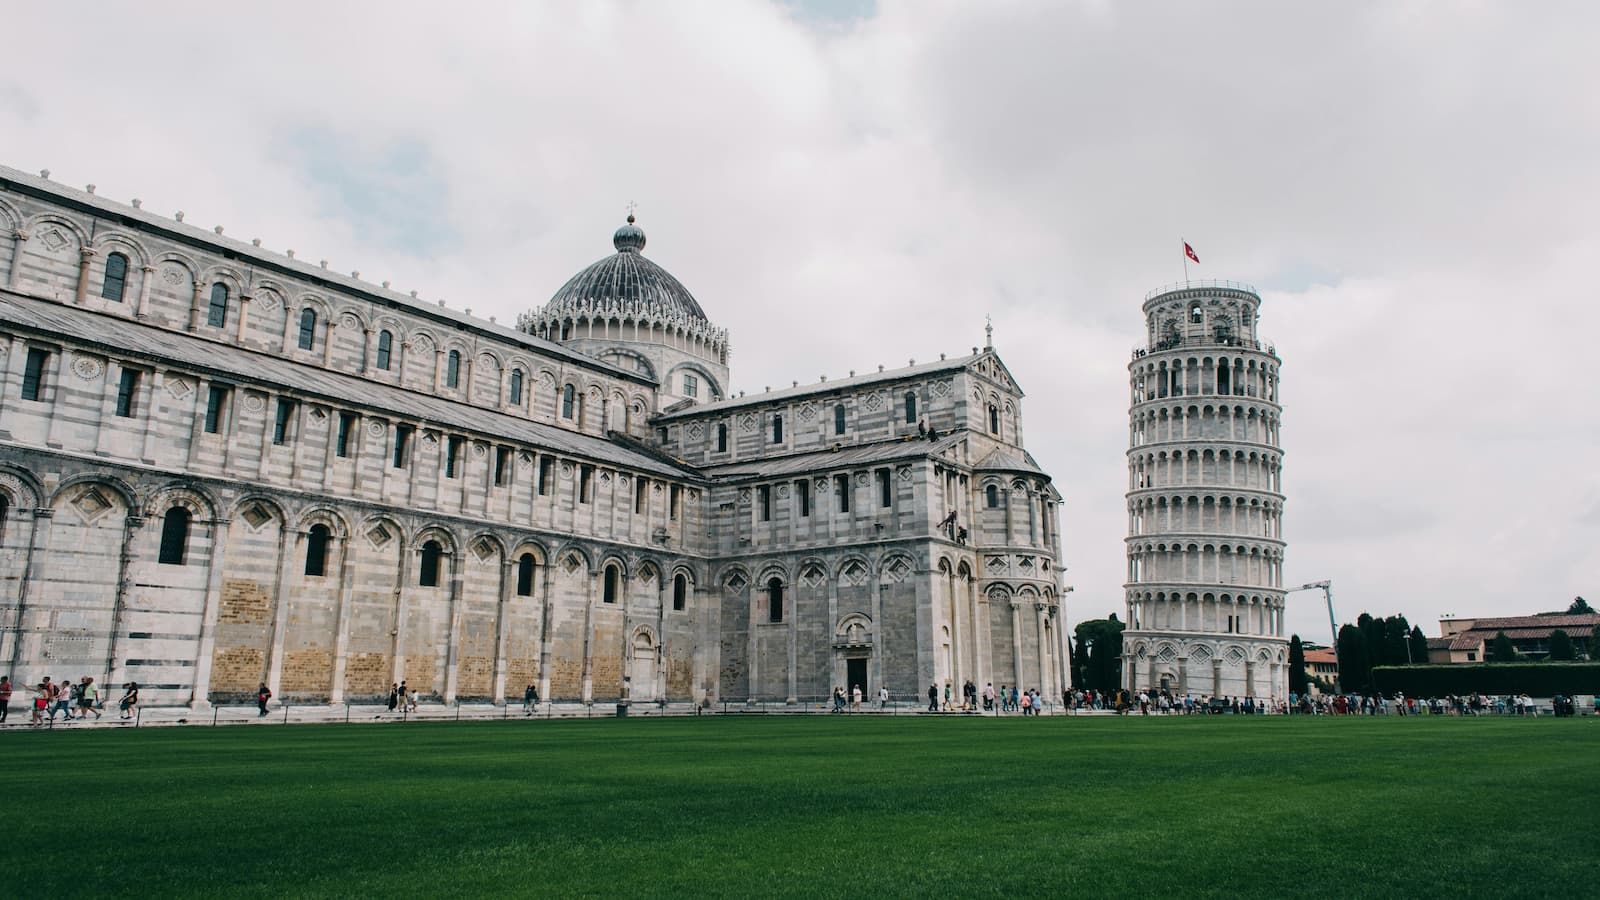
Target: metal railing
column 1202, row 283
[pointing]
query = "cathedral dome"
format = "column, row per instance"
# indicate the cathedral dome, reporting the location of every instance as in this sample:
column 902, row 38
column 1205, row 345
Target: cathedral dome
column 627, row 277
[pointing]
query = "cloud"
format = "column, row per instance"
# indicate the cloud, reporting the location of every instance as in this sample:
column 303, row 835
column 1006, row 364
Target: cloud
column 844, row 185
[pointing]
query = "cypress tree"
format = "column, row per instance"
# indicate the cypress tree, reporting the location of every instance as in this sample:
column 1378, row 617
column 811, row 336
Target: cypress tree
column 1372, row 633
column 1299, row 683
column 1396, row 642
column 1355, row 665
column 1419, row 646
column 1501, row 649
column 1561, row 649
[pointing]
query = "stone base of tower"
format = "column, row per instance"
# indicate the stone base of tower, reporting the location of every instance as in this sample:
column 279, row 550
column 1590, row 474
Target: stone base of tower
column 1225, row 665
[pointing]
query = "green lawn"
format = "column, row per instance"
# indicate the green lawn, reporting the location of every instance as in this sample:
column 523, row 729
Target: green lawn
column 810, row 806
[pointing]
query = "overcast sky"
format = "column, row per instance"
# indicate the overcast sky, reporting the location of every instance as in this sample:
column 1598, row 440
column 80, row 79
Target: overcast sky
column 1411, row 186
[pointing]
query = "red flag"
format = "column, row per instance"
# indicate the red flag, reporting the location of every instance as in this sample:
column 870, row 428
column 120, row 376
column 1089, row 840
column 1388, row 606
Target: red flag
column 1189, row 252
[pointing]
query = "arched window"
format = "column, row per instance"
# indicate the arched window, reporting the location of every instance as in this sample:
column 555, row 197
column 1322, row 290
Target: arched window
column 838, row 418
column 174, row 536
column 217, row 317
column 680, row 591
column 609, row 589
column 308, row 328
column 992, row 495
column 525, row 575
column 429, row 574
column 568, row 399
column 317, row 551
column 994, row 419
column 911, row 408
column 385, row 349
column 116, row 279
column 5, row 514
column 777, row 428
column 516, row 387
column 452, row 369
column 774, row 600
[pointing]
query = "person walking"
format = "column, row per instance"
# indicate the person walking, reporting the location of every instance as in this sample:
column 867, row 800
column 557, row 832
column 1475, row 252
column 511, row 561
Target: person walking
column 62, row 695
column 88, row 699
column 413, row 699
column 394, row 696
column 855, row 699
column 528, row 699
column 5, row 697
column 41, row 703
column 262, row 696
column 883, row 697
column 933, row 698
column 130, row 699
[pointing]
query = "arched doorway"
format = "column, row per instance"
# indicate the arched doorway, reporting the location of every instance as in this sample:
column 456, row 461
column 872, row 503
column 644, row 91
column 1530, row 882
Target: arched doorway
column 642, row 672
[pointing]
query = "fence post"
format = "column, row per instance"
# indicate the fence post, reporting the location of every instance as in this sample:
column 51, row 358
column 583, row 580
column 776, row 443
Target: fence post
column 214, row 710
column 286, row 714
column 138, row 716
column 458, row 709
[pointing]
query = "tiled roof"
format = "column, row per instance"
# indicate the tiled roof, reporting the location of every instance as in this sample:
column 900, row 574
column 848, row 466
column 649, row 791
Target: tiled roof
column 197, row 354
column 1526, row 628
column 1322, row 656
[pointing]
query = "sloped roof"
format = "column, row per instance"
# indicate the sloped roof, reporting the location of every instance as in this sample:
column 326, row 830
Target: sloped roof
column 1002, row 459
column 136, row 339
column 212, row 242
column 822, row 387
column 1523, row 628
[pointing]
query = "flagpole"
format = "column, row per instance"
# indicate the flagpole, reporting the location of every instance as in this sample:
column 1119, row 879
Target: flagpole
column 1185, row 262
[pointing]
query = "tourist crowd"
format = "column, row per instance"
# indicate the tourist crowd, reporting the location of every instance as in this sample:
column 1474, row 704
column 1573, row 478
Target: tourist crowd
column 69, row 699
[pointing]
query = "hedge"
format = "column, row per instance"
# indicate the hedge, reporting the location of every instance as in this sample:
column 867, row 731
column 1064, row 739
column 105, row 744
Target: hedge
column 1534, row 679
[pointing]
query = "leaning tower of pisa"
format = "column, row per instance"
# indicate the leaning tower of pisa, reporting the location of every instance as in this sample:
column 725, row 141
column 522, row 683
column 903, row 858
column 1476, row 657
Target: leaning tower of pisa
column 1205, row 502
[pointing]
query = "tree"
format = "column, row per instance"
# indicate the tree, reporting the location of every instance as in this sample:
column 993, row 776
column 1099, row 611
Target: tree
column 1100, row 649
column 1419, row 646
column 1561, row 649
column 1594, row 644
column 1355, row 666
column 1396, row 642
column 1579, row 607
column 1501, row 649
column 1299, row 683
column 1372, row 633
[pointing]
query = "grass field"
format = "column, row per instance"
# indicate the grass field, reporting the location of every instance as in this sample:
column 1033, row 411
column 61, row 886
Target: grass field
column 810, row 806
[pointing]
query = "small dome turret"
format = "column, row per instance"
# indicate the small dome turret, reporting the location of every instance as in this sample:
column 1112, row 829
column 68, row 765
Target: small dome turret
column 629, row 238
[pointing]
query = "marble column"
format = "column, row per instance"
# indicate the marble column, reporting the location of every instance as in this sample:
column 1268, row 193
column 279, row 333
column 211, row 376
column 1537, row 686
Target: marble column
column 14, row 277
column 85, row 257
column 199, row 698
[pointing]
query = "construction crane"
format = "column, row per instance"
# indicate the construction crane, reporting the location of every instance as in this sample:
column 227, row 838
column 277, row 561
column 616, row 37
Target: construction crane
column 1327, row 594
column 1333, row 626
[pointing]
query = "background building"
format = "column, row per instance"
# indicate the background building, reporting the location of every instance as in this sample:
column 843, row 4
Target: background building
column 1467, row 640
column 223, row 466
column 1205, row 503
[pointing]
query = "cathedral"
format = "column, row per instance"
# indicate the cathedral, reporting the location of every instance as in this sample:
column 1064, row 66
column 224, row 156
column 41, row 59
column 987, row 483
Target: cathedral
column 222, row 465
